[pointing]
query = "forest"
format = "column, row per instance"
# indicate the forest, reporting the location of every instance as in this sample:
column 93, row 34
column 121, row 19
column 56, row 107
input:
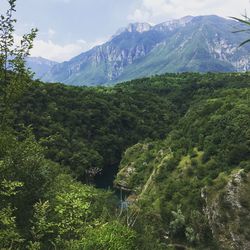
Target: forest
column 155, row 163
column 62, row 154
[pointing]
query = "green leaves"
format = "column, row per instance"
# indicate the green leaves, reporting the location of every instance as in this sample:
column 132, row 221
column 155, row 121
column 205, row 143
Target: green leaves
column 72, row 210
column 9, row 188
column 42, row 227
column 178, row 222
column 9, row 235
column 10, row 238
column 111, row 235
column 49, row 207
column 14, row 77
column 245, row 22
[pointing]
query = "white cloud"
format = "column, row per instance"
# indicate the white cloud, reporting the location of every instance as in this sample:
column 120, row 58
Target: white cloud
column 59, row 53
column 53, row 51
column 155, row 11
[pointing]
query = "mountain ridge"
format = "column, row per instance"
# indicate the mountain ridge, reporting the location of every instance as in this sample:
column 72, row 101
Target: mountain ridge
column 39, row 65
column 199, row 44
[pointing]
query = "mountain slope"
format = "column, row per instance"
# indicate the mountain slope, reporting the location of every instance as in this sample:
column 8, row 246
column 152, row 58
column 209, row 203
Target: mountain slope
column 200, row 44
column 206, row 44
column 39, row 65
column 107, row 62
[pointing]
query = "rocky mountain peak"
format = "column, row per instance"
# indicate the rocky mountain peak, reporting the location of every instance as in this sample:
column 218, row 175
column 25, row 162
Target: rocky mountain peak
column 134, row 27
column 139, row 27
column 174, row 23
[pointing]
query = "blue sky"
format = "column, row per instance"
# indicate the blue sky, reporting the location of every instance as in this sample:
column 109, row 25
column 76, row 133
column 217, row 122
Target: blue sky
column 69, row 27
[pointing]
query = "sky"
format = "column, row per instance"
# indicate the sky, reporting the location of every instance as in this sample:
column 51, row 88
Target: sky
column 70, row 27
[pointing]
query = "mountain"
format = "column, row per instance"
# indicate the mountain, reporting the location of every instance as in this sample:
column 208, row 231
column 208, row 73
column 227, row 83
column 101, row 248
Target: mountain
column 39, row 65
column 199, row 44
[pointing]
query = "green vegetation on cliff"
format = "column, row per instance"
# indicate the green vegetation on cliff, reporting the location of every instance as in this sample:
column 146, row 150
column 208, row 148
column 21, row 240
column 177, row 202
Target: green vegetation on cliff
column 171, row 179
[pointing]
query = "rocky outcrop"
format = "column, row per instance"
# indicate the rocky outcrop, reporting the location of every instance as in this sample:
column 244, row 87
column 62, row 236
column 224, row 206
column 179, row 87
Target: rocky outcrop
column 228, row 211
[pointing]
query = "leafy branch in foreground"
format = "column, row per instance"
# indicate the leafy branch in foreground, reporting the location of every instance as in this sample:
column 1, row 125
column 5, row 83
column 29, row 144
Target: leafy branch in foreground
column 245, row 21
column 14, row 77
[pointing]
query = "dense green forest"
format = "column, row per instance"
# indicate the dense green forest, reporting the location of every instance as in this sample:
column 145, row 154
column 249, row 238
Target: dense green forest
column 155, row 163
column 88, row 129
column 189, row 131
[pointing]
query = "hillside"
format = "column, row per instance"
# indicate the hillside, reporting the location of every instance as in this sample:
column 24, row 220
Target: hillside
column 183, row 142
column 192, row 182
column 40, row 66
column 189, row 44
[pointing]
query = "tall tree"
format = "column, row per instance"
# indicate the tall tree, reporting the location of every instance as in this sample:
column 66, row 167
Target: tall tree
column 14, row 77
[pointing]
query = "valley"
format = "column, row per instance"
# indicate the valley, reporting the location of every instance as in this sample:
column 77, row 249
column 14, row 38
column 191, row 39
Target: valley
column 175, row 135
column 140, row 143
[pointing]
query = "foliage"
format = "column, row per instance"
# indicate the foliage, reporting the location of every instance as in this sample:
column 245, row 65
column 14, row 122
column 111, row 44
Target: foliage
column 246, row 22
column 68, row 216
column 178, row 222
column 189, row 131
column 206, row 135
column 111, row 235
column 209, row 141
column 35, row 211
column 14, row 77
column 9, row 234
column 88, row 129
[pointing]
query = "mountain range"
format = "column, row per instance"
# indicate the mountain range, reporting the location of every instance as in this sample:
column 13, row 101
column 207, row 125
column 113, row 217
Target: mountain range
column 40, row 66
column 189, row 44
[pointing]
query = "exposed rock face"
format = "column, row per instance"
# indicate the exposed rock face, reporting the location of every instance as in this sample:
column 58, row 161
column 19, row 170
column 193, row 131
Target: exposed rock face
column 228, row 212
column 128, row 168
column 125, row 174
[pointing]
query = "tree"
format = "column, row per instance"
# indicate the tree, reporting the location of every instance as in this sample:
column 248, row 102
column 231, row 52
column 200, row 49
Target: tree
column 14, row 77
column 177, row 225
column 9, row 235
column 111, row 235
